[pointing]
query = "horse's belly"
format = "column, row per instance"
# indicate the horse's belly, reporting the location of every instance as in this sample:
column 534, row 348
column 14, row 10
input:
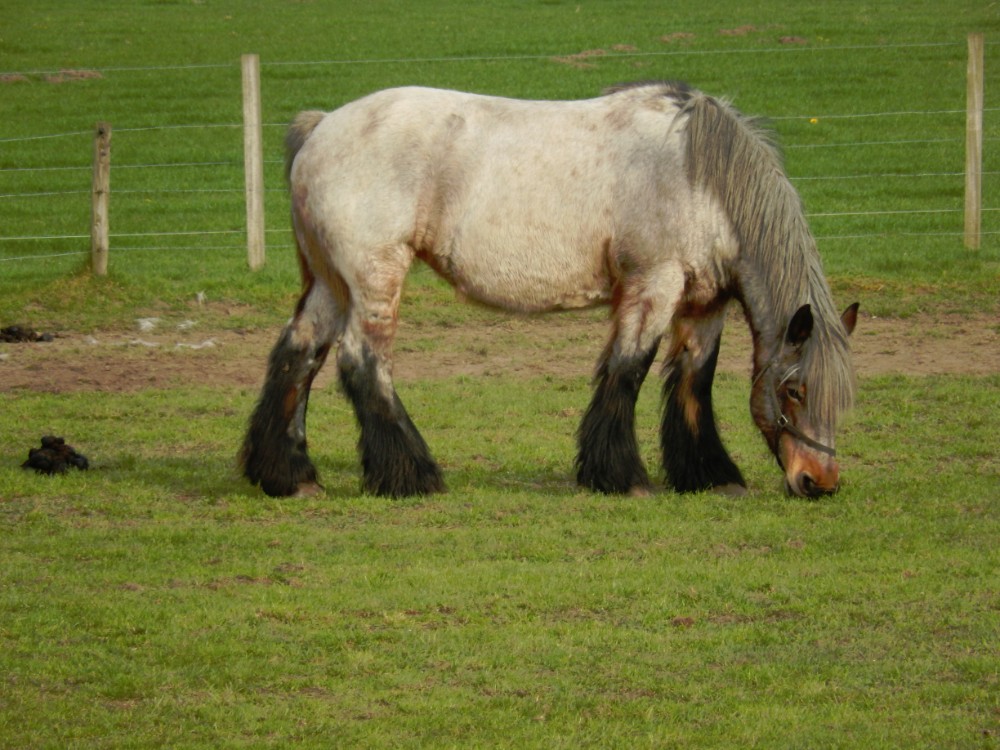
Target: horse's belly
column 526, row 244
column 534, row 276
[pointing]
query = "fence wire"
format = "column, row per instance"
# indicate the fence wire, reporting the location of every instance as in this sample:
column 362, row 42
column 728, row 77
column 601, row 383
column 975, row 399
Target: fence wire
column 233, row 184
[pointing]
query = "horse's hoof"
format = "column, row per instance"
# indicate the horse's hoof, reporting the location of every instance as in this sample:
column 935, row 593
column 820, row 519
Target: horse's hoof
column 640, row 490
column 730, row 490
column 308, row 489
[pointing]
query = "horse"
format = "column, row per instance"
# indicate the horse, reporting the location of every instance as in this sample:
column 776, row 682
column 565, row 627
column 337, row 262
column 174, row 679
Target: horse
column 655, row 199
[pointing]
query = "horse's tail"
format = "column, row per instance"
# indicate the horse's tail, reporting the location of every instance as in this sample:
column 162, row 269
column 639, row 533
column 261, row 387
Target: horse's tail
column 301, row 128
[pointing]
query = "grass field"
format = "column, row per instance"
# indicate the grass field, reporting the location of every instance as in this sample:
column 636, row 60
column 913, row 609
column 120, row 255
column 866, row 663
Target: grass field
column 158, row 601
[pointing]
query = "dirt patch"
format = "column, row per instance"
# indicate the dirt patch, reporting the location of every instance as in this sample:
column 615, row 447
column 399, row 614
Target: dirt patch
column 68, row 76
column 739, row 31
column 176, row 355
column 677, row 36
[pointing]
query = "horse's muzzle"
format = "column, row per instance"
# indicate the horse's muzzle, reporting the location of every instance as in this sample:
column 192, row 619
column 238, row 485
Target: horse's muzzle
column 804, row 485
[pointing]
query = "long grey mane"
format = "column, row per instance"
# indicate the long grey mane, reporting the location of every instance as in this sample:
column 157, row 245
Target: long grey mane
column 780, row 267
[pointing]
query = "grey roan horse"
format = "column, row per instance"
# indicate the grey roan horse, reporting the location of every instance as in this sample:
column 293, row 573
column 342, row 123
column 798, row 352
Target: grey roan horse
column 654, row 198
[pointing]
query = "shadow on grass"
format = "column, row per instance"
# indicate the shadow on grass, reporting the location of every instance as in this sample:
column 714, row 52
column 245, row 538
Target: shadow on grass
column 211, row 476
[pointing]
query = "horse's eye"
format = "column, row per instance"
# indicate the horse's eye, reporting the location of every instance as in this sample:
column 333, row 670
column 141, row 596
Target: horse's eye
column 794, row 394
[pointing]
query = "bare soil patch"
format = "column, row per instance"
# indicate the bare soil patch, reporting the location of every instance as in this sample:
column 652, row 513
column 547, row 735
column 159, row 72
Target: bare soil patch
column 176, row 355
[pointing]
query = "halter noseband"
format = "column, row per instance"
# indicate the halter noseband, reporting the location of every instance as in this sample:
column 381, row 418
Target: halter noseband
column 783, row 423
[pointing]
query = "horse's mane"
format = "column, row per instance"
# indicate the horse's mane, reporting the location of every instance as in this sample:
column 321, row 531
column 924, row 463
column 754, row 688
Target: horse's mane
column 737, row 159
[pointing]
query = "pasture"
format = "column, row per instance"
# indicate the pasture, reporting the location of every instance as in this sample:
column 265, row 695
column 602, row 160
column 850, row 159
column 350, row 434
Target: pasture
column 158, row 600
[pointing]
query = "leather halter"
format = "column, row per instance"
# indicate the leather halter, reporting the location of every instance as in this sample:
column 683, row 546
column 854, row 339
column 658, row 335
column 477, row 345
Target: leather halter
column 783, row 423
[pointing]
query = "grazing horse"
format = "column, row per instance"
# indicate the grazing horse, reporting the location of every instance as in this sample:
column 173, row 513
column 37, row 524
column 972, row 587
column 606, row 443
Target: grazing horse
column 654, row 198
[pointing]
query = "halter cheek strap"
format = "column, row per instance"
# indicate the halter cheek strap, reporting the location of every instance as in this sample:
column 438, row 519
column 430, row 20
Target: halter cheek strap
column 785, row 425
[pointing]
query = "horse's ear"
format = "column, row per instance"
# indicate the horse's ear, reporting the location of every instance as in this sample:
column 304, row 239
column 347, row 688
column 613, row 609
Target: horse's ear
column 800, row 326
column 850, row 318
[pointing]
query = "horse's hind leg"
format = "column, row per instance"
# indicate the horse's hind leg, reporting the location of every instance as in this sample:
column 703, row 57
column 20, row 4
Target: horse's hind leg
column 395, row 460
column 693, row 455
column 274, row 450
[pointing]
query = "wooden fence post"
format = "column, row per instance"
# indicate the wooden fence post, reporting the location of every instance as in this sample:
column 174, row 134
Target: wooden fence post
column 974, row 144
column 253, row 161
column 100, row 195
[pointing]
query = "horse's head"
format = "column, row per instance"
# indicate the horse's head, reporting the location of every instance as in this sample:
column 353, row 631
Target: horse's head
column 784, row 403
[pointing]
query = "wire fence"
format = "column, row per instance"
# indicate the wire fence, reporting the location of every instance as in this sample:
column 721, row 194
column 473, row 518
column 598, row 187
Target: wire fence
column 196, row 180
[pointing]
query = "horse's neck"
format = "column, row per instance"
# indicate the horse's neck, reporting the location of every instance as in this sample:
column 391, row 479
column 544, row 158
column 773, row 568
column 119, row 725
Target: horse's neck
column 767, row 324
column 765, row 348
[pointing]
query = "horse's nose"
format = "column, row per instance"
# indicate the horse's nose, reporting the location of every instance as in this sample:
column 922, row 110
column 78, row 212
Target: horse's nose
column 805, row 485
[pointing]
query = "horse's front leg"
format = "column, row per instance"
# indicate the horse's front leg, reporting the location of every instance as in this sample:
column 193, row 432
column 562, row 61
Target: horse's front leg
column 694, row 457
column 608, row 459
column 274, row 450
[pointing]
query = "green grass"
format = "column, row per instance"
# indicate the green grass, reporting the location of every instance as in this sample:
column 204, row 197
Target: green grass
column 156, row 600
